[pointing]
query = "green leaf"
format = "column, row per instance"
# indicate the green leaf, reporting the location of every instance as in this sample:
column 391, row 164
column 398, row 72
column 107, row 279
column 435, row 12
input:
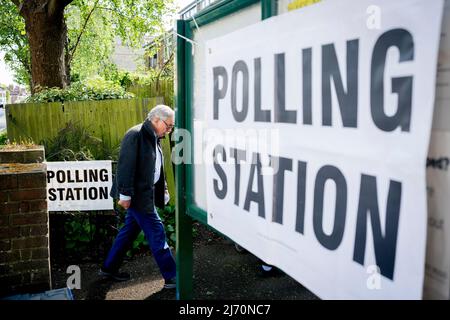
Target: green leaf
column 84, row 238
column 70, row 244
column 141, row 237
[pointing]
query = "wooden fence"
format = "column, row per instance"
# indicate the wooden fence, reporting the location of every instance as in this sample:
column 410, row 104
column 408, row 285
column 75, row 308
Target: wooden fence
column 107, row 120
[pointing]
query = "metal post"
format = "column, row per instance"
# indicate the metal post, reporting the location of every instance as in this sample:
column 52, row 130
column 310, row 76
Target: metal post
column 184, row 245
column 269, row 8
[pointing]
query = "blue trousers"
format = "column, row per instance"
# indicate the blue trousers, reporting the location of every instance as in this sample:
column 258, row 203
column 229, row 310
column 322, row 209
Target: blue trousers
column 154, row 232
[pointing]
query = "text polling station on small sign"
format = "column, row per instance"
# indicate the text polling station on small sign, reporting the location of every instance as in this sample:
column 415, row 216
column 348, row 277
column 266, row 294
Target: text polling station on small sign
column 79, row 185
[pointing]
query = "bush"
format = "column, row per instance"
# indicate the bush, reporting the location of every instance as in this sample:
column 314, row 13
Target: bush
column 168, row 218
column 74, row 143
column 122, row 78
column 91, row 89
column 81, row 236
column 3, row 138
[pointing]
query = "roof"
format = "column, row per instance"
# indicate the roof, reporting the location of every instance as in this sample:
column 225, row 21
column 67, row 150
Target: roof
column 195, row 7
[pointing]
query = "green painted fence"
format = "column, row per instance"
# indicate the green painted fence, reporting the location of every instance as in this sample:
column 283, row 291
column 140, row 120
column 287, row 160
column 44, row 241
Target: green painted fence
column 107, row 120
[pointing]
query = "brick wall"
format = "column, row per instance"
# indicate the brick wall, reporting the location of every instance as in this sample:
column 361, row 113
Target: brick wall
column 24, row 243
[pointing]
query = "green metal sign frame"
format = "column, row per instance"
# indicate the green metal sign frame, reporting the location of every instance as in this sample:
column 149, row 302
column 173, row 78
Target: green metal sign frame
column 186, row 210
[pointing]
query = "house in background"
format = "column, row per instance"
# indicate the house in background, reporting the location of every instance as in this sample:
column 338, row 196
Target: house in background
column 127, row 58
column 17, row 93
column 195, row 7
column 159, row 51
column 3, row 96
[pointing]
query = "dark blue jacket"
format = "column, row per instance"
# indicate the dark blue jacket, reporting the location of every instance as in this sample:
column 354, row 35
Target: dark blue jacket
column 136, row 169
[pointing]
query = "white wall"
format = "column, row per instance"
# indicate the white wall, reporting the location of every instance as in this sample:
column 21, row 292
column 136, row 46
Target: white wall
column 127, row 58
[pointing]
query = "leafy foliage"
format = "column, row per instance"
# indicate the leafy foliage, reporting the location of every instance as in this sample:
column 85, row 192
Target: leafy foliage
column 122, row 78
column 136, row 19
column 3, row 138
column 78, row 233
column 14, row 42
column 75, row 143
column 168, row 218
column 91, row 89
column 91, row 44
column 92, row 29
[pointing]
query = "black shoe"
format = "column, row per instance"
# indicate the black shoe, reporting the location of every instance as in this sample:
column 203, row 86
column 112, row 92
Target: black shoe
column 171, row 283
column 118, row 276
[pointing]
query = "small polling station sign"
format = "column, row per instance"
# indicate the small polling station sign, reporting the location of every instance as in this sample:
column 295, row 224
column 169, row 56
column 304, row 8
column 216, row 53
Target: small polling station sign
column 79, row 185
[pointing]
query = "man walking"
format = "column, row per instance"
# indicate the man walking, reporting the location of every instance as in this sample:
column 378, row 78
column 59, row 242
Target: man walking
column 140, row 186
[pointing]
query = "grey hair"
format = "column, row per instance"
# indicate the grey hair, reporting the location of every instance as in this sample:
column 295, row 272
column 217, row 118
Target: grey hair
column 161, row 111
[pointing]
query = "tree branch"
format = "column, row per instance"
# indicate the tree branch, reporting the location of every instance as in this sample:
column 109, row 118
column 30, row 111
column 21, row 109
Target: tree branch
column 25, row 63
column 19, row 6
column 116, row 11
column 74, row 48
column 162, row 69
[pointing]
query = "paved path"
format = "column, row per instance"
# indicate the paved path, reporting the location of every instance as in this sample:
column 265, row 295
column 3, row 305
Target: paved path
column 220, row 272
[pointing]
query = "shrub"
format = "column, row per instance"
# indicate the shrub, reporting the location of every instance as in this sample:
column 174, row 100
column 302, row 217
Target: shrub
column 122, row 78
column 3, row 138
column 91, row 89
column 74, row 143
column 168, row 217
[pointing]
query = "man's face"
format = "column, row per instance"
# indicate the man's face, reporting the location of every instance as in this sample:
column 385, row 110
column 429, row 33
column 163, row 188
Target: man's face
column 162, row 127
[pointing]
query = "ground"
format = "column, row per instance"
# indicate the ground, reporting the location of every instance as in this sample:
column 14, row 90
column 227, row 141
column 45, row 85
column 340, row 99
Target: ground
column 220, row 272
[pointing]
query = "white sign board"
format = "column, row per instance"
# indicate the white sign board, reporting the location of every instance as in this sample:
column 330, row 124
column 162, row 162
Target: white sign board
column 79, row 186
column 343, row 107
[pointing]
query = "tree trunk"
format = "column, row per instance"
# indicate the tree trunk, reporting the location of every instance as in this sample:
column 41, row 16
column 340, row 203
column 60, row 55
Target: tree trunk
column 47, row 34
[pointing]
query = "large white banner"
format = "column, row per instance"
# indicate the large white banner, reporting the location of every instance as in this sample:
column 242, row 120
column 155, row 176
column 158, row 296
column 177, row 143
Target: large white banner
column 319, row 122
column 79, row 185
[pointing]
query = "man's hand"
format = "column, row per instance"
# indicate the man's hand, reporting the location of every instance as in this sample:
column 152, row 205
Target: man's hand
column 124, row 203
column 166, row 197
